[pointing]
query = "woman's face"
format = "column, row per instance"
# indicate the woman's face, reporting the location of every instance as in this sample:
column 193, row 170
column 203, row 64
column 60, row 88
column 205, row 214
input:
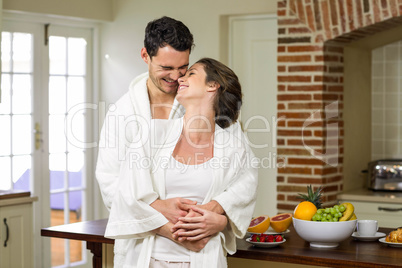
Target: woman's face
column 192, row 86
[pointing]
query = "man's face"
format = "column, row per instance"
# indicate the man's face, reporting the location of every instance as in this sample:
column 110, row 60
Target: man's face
column 165, row 68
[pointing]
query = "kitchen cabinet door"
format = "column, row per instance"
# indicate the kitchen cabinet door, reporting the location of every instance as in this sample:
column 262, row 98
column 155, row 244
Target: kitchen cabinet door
column 16, row 248
column 387, row 214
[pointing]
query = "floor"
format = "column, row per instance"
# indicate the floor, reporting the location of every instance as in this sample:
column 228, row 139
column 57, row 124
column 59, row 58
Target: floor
column 58, row 245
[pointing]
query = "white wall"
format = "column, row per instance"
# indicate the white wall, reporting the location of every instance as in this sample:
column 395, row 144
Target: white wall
column 123, row 39
column 88, row 9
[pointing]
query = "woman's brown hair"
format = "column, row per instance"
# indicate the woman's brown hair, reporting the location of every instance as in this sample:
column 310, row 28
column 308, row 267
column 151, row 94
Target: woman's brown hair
column 228, row 98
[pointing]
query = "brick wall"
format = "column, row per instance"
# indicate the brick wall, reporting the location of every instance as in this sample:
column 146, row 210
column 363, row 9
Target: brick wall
column 311, row 36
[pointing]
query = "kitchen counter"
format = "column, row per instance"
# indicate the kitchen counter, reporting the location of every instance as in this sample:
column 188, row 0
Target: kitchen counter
column 349, row 253
column 366, row 195
column 15, row 197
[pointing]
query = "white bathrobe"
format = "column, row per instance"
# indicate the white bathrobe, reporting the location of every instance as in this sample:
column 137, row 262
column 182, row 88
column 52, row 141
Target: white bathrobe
column 132, row 219
column 121, row 128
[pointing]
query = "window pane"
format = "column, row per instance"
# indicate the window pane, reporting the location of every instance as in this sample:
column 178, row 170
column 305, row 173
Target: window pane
column 21, row 172
column 57, row 140
column 57, row 95
column 75, row 206
column 75, row 165
column 21, row 94
column 5, row 94
column 6, row 51
column 76, row 132
column 76, row 91
column 5, row 138
column 76, row 56
column 5, row 167
column 22, row 132
column 22, row 45
column 57, row 166
column 57, row 55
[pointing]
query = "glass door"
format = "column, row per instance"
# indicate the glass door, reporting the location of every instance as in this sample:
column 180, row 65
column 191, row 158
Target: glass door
column 69, row 81
column 46, row 89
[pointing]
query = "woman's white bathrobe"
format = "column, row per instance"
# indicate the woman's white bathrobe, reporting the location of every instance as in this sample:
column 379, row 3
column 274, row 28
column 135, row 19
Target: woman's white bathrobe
column 141, row 181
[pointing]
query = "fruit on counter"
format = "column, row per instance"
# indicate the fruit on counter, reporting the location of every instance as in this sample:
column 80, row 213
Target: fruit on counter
column 281, row 222
column 313, row 196
column 259, row 224
column 348, row 213
column 266, row 238
column 343, row 212
column 394, row 236
column 305, row 211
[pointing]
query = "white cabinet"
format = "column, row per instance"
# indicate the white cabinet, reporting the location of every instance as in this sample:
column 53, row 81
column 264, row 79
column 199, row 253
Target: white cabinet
column 16, row 232
column 387, row 214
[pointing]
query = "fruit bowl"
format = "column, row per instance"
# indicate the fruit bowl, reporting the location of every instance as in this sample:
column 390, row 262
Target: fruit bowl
column 324, row 234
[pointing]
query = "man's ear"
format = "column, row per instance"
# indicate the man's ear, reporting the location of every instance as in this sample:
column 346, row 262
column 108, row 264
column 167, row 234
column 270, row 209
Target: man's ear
column 145, row 55
column 213, row 86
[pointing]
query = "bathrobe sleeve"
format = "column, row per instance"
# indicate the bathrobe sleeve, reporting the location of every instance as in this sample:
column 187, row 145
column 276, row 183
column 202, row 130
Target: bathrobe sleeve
column 238, row 199
column 131, row 216
column 118, row 130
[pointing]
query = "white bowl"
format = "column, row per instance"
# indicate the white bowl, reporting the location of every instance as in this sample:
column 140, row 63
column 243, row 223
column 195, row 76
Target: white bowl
column 324, row 234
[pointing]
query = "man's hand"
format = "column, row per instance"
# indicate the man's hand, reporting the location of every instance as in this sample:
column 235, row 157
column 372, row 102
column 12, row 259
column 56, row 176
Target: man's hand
column 196, row 246
column 195, row 227
column 173, row 208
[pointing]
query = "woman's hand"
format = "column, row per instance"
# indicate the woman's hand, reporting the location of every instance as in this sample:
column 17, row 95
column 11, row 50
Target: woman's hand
column 195, row 227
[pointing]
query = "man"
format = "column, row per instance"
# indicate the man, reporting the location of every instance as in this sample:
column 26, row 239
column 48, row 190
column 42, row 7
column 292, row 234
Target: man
column 167, row 47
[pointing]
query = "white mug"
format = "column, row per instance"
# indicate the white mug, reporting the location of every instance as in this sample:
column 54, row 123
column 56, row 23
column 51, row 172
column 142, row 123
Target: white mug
column 367, row 227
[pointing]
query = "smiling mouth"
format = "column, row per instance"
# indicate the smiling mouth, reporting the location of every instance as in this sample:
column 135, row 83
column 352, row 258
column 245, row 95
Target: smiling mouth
column 171, row 82
column 181, row 87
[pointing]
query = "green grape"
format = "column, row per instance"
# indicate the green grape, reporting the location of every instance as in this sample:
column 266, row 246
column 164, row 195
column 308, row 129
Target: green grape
column 332, row 211
column 340, row 214
column 334, row 219
column 342, row 208
column 320, row 211
column 318, row 217
column 336, row 207
column 336, row 210
column 329, row 216
column 327, row 210
column 324, row 215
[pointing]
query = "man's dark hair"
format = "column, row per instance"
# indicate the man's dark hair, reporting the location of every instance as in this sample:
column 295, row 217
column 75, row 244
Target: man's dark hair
column 167, row 31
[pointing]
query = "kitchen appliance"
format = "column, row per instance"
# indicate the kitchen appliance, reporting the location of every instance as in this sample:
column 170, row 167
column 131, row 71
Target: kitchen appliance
column 385, row 175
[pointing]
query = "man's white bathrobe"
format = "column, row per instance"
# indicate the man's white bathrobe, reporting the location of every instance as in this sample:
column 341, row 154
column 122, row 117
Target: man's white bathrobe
column 142, row 181
column 122, row 127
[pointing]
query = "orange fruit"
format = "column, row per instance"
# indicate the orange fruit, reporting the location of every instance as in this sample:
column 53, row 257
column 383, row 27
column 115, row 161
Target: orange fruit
column 305, row 211
column 281, row 222
column 259, row 224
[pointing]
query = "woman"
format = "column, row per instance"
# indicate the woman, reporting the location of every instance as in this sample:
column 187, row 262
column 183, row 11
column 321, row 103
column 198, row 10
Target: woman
column 201, row 157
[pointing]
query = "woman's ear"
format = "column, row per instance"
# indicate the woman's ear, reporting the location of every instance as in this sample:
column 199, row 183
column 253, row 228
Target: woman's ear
column 213, row 86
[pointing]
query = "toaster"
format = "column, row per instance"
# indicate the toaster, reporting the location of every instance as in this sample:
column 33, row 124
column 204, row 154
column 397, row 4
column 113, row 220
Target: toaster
column 385, row 175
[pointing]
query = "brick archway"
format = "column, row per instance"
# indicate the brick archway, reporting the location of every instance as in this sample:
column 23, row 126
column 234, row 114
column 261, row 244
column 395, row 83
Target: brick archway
column 311, row 36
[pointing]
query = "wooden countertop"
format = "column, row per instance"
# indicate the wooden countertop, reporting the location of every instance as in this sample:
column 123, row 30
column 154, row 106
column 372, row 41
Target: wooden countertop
column 90, row 231
column 350, row 253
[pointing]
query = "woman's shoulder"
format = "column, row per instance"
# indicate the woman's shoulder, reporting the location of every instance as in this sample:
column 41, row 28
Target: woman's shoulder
column 232, row 137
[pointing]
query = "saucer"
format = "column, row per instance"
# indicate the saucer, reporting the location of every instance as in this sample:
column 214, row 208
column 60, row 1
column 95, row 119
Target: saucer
column 271, row 231
column 397, row 245
column 375, row 237
column 265, row 244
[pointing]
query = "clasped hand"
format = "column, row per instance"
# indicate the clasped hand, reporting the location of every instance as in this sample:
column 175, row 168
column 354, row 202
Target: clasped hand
column 198, row 224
